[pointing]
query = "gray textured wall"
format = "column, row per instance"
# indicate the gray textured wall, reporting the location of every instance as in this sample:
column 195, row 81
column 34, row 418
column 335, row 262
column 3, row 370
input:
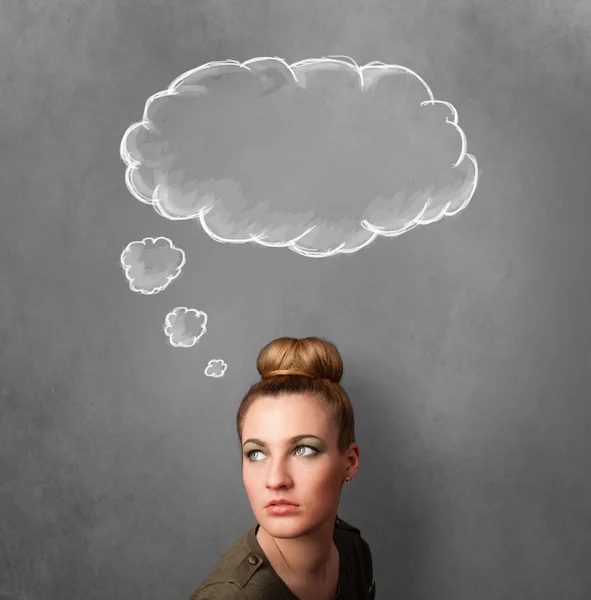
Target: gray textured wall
column 466, row 342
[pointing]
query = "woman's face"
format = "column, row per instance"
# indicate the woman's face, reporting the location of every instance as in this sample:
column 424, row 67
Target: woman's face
column 308, row 472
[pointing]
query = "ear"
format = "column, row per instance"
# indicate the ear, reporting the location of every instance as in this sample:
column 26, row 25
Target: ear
column 352, row 459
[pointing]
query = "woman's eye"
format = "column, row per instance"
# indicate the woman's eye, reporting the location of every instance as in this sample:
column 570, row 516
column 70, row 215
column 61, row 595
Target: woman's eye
column 249, row 454
column 314, row 451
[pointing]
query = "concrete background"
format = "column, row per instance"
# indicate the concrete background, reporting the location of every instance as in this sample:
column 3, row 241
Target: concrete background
column 467, row 343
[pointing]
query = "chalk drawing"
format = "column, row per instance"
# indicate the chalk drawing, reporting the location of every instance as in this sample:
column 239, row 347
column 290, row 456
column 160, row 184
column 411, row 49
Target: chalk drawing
column 321, row 156
column 151, row 264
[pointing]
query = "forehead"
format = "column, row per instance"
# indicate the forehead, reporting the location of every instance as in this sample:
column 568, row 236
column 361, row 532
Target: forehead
column 286, row 415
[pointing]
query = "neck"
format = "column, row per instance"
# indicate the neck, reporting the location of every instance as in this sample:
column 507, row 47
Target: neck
column 305, row 558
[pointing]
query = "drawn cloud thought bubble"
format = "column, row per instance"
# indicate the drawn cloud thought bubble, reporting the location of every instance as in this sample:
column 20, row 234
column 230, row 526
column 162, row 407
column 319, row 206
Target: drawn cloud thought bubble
column 185, row 326
column 320, row 156
column 216, row 368
column 151, row 264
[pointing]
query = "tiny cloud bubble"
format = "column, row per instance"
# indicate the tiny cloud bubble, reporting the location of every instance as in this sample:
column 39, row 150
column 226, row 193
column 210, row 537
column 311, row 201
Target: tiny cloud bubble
column 185, row 326
column 216, row 367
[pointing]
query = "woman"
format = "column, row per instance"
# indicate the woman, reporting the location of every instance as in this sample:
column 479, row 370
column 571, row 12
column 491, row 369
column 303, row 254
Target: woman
column 296, row 431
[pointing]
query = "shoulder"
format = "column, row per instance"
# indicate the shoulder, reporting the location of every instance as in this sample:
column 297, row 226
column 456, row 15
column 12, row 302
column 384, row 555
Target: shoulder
column 240, row 573
column 358, row 550
column 353, row 537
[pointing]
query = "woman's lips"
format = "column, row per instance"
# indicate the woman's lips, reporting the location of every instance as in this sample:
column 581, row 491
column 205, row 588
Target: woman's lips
column 281, row 509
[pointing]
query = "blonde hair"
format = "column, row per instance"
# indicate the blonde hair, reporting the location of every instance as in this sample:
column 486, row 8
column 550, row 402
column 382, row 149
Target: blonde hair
column 303, row 366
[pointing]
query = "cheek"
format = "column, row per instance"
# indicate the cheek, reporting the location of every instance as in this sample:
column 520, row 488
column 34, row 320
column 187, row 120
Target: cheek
column 247, row 480
column 323, row 480
column 254, row 484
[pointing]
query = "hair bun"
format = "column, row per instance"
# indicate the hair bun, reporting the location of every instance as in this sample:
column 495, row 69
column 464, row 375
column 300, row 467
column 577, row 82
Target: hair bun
column 311, row 357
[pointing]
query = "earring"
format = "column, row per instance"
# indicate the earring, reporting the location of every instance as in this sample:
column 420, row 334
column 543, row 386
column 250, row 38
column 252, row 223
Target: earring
column 347, row 479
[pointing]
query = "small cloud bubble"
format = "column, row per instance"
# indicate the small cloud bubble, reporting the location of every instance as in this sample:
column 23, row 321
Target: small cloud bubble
column 216, row 367
column 185, row 326
column 150, row 265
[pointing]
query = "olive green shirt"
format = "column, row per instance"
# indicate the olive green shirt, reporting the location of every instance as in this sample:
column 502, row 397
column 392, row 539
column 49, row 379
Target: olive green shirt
column 243, row 572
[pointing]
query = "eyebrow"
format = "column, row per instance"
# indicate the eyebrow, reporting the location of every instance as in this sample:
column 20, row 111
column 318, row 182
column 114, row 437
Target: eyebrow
column 292, row 440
